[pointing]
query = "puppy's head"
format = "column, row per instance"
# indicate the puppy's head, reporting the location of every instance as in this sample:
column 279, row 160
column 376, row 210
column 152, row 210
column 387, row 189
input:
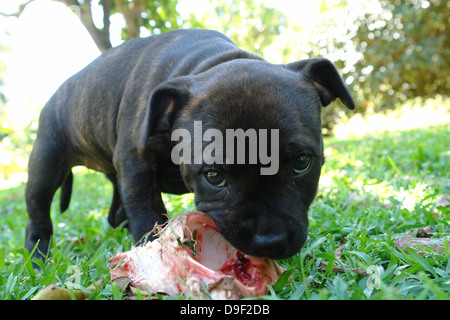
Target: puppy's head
column 247, row 137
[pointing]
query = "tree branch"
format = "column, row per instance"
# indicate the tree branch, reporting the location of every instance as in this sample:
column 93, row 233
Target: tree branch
column 69, row 2
column 19, row 11
column 106, row 4
column 100, row 36
column 131, row 11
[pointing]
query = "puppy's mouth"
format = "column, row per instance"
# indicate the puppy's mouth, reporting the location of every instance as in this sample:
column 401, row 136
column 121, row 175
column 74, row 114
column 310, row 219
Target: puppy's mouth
column 279, row 246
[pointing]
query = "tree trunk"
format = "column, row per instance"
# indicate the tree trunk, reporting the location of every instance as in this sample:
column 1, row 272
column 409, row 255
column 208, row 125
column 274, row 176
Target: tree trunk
column 132, row 13
column 100, row 36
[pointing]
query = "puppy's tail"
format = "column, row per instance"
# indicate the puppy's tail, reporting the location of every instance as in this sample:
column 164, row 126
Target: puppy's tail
column 66, row 192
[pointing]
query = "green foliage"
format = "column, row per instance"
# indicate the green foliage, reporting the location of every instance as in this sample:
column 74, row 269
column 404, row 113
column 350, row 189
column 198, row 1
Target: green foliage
column 250, row 24
column 406, row 51
column 387, row 51
column 373, row 188
column 161, row 16
column 372, row 191
column 155, row 16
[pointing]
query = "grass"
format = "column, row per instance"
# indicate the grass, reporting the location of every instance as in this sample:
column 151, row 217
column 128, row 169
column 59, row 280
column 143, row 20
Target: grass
column 373, row 190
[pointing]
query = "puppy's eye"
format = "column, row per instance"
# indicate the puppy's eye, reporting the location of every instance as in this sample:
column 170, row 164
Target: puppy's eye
column 302, row 163
column 215, row 178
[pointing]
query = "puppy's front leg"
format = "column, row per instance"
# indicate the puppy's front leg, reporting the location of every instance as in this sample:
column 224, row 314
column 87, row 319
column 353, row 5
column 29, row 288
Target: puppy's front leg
column 141, row 194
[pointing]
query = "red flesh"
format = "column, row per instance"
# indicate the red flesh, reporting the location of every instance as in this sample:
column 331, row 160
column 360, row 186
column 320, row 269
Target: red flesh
column 242, row 269
column 170, row 265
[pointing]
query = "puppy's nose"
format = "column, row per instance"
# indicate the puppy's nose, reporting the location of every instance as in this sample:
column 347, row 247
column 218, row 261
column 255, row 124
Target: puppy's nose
column 270, row 245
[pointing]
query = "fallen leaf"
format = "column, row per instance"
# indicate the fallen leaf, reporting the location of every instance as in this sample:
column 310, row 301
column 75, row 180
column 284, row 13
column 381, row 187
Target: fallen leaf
column 426, row 232
column 420, row 232
column 337, row 255
column 338, row 251
column 97, row 284
column 122, row 283
column 436, row 244
column 444, row 201
column 54, row 292
column 358, row 271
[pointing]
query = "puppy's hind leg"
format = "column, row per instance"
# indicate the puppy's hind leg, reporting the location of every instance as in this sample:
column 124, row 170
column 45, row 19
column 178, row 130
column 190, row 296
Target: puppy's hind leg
column 47, row 169
column 117, row 213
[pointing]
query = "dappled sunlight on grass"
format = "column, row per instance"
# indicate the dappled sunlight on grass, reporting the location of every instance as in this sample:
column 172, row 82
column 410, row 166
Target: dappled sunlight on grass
column 395, row 174
column 373, row 189
column 176, row 204
column 384, row 191
column 416, row 113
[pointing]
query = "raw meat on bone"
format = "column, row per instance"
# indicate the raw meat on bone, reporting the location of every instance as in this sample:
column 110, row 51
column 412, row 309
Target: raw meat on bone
column 192, row 258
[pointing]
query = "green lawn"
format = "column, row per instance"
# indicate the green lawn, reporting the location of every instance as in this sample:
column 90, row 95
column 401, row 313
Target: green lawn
column 372, row 191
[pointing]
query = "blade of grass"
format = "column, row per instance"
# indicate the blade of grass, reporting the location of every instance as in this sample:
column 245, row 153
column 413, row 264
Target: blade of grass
column 422, row 261
column 10, row 284
column 2, row 256
column 301, row 289
column 282, row 280
column 405, row 273
column 434, row 287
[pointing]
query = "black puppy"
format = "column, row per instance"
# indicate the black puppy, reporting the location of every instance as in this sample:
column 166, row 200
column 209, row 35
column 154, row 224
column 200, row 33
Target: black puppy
column 118, row 114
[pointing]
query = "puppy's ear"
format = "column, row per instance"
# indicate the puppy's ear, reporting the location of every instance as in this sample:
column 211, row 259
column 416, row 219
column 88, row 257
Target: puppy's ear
column 165, row 102
column 325, row 79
